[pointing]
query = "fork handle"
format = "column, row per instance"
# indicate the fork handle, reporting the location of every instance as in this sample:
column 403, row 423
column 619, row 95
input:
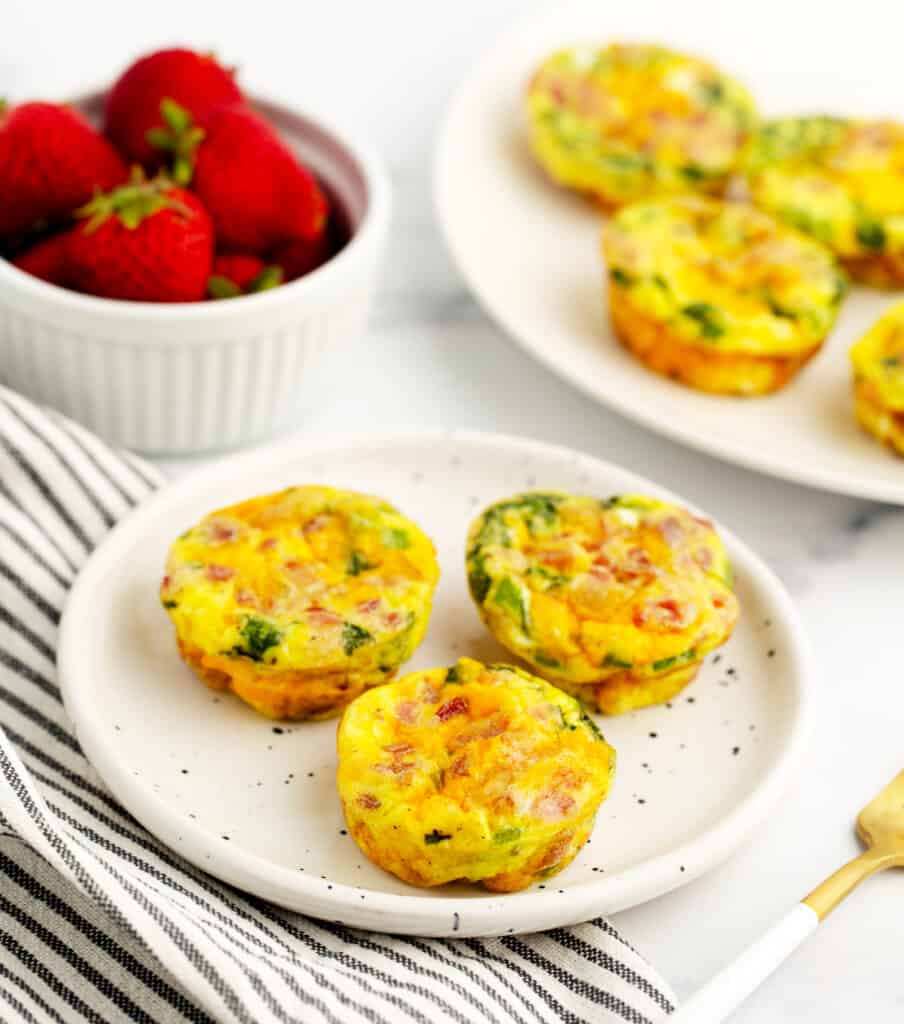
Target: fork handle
column 734, row 983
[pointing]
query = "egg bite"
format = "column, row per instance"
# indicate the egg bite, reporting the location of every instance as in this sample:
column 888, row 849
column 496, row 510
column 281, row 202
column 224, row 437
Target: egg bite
column 629, row 122
column 617, row 601
column 298, row 601
column 718, row 295
column 840, row 180
column 473, row 773
column 878, row 364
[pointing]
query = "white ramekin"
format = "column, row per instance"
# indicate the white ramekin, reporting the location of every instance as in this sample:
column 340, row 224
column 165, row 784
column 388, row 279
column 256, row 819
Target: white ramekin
column 189, row 377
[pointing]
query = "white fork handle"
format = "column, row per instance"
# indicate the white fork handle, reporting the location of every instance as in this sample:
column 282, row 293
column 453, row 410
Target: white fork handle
column 733, row 984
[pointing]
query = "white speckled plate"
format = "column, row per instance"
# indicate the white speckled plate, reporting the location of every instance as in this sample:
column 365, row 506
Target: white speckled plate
column 529, row 251
column 255, row 804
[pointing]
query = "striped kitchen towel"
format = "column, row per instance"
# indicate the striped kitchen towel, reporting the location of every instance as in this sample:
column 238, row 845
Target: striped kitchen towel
column 100, row 922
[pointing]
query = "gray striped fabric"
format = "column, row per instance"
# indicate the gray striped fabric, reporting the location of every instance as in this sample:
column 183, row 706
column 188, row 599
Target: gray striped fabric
column 101, row 922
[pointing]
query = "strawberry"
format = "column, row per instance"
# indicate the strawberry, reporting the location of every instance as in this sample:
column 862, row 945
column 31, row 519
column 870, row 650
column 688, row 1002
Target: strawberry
column 239, row 273
column 148, row 241
column 138, row 119
column 47, row 259
column 258, row 192
column 51, row 161
column 302, row 256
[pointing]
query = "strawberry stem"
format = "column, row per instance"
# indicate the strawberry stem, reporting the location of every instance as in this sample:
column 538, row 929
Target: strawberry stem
column 179, row 136
column 131, row 203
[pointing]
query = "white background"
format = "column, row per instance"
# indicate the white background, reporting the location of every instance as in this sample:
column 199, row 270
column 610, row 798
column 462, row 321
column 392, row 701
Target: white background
column 431, row 358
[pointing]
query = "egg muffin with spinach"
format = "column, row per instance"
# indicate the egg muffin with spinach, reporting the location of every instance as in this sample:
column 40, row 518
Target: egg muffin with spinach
column 878, row 362
column 472, row 773
column 298, row 601
column 617, row 600
column 628, row 122
column 717, row 295
column 841, row 181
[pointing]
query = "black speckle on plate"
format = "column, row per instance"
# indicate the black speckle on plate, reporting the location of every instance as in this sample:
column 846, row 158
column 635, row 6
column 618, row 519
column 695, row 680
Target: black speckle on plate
column 279, row 731
column 654, row 735
column 735, row 751
column 770, row 653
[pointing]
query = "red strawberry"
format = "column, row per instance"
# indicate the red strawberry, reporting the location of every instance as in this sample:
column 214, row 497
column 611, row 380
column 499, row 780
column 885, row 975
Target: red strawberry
column 301, row 257
column 193, row 81
column 51, row 161
column 258, row 192
column 48, row 259
column 148, row 241
column 239, row 273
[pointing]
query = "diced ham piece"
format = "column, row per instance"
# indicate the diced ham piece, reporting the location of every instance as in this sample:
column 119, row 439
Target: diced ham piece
column 394, row 768
column 668, row 613
column 429, row 693
column 555, row 559
column 406, row 711
column 245, row 598
column 219, row 572
column 219, row 531
column 602, row 573
column 637, row 562
column 704, row 558
column 369, row 606
column 315, row 524
column 456, row 706
column 323, row 617
column 459, row 767
column 552, row 806
column 268, row 544
column 482, row 730
column 394, row 619
column 398, row 748
column 302, row 574
column 672, row 531
column 368, row 801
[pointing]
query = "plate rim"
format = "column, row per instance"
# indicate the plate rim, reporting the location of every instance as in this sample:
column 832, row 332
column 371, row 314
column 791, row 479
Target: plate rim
column 420, row 914
column 748, row 456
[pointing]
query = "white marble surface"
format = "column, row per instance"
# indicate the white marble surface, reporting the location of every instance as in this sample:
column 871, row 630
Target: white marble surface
column 431, row 358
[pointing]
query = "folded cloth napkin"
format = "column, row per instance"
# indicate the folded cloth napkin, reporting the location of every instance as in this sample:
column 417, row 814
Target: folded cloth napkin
column 101, row 922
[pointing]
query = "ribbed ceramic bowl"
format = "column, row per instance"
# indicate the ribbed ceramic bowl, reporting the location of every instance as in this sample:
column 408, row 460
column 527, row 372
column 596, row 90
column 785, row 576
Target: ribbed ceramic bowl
column 187, row 377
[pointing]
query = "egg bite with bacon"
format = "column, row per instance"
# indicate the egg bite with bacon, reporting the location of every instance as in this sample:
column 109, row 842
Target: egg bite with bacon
column 617, row 601
column 718, row 295
column 300, row 600
column 472, row 773
column 878, row 364
column 841, row 181
column 628, row 122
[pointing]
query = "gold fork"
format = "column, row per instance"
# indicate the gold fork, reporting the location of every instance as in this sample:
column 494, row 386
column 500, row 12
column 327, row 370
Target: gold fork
column 881, row 827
